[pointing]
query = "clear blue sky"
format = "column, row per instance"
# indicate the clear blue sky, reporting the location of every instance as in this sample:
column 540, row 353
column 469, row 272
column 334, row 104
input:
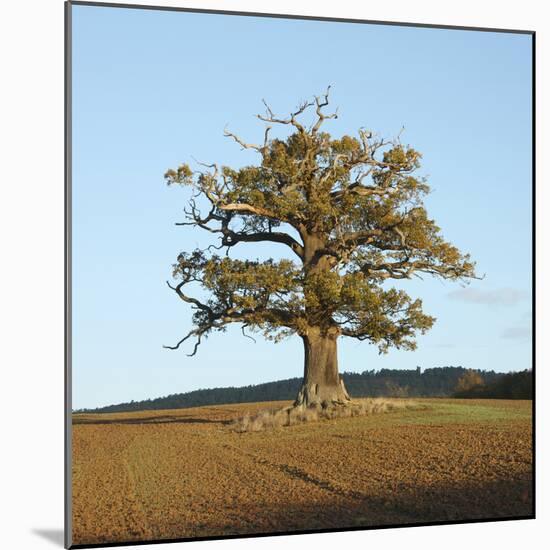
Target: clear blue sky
column 152, row 89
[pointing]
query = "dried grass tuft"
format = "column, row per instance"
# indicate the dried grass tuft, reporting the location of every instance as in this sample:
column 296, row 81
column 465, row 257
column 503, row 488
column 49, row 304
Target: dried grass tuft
column 292, row 416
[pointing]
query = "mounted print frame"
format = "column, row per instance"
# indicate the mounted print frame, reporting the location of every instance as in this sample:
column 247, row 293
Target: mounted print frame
column 299, row 274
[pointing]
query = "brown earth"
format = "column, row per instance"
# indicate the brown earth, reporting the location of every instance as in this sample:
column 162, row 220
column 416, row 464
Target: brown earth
column 186, row 473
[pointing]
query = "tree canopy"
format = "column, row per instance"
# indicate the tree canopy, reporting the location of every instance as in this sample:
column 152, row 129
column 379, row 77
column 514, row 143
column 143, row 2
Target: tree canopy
column 351, row 212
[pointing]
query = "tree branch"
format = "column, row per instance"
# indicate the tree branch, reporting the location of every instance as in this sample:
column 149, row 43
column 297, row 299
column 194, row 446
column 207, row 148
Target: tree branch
column 244, row 208
column 271, row 118
column 242, row 143
column 195, row 332
column 231, row 238
column 404, row 269
column 197, row 303
column 319, row 110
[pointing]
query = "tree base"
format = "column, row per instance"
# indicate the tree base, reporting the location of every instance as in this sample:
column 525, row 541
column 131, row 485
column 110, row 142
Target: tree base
column 322, row 396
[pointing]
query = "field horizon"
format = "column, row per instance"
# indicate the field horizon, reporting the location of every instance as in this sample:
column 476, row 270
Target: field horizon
column 386, row 383
column 185, row 473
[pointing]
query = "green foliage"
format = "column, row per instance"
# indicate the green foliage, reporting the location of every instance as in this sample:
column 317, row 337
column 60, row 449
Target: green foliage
column 183, row 175
column 350, row 209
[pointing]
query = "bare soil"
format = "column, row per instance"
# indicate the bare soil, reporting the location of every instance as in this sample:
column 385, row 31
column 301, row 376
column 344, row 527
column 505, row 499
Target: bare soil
column 186, row 473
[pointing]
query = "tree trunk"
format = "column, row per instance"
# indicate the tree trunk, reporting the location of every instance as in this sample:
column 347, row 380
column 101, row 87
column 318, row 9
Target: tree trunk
column 322, row 385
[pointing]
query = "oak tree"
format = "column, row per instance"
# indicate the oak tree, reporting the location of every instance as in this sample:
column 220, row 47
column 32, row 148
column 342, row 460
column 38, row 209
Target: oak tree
column 350, row 212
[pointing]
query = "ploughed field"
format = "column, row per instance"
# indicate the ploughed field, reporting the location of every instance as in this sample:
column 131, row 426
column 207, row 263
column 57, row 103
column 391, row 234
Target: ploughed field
column 187, row 472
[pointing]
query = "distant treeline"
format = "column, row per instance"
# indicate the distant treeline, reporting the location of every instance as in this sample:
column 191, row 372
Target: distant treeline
column 514, row 385
column 434, row 382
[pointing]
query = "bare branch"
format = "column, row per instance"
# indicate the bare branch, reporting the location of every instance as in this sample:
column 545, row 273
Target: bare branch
column 245, row 208
column 198, row 333
column 266, row 136
column 180, row 342
column 197, row 303
column 197, row 344
column 319, row 110
column 405, row 268
column 363, row 190
column 271, row 118
column 244, row 145
column 196, row 220
column 247, row 335
column 231, row 238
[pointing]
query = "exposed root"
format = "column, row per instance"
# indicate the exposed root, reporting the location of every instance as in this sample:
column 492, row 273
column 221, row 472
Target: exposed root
column 291, row 416
column 311, row 395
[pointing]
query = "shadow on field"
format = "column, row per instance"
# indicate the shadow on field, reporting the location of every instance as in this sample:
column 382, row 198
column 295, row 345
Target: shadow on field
column 317, row 511
column 150, row 420
column 502, row 499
